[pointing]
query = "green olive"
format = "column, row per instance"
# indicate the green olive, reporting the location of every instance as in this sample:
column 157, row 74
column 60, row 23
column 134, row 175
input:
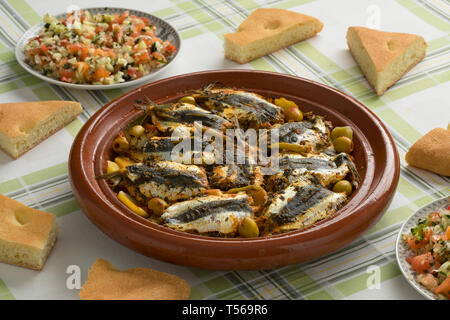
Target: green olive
column 343, row 144
column 137, row 131
column 157, row 206
column 188, row 99
column 248, row 228
column 342, row 132
column 293, row 114
column 343, row 186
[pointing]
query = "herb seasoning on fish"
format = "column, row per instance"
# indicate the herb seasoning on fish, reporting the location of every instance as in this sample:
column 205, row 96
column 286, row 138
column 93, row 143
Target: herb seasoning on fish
column 226, row 199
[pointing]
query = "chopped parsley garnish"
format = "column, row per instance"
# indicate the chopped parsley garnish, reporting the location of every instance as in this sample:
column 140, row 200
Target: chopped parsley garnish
column 153, row 47
column 418, row 232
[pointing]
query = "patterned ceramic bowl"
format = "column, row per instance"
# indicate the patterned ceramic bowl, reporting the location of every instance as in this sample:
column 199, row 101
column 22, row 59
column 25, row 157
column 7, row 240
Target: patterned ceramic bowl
column 164, row 30
column 403, row 251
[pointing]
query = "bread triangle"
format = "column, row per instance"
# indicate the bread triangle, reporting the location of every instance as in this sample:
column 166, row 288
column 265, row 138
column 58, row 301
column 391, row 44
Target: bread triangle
column 267, row 30
column 25, row 124
column 431, row 152
column 105, row 282
column 27, row 235
column 384, row 57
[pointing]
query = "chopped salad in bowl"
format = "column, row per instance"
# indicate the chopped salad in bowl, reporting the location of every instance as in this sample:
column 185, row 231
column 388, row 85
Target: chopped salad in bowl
column 429, row 243
column 98, row 49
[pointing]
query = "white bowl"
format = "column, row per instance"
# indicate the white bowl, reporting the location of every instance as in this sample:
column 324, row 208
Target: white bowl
column 164, row 30
column 403, row 251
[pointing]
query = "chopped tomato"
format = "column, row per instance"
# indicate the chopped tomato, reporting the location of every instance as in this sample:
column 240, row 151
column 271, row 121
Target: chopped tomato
column 141, row 58
column 134, row 73
column 149, row 33
column 421, row 263
column 44, row 48
column 414, row 244
column 123, row 16
column 84, row 52
column 65, row 79
column 101, row 73
column 74, row 48
column 82, row 66
column 158, row 56
column 32, row 52
column 99, row 52
column 110, row 53
column 444, row 288
column 115, row 18
column 170, row 48
column 138, row 27
column 119, row 36
column 66, row 73
column 148, row 41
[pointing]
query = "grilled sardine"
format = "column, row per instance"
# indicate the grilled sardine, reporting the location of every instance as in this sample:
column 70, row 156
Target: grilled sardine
column 168, row 117
column 221, row 214
column 245, row 106
column 167, row 180
column 300, row 205
column 231, row 176
column 328, row 170
column 314, row 134
column 164, row 149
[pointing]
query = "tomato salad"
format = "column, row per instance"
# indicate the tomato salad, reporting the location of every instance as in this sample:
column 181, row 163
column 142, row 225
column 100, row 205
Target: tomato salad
column 430, row 242
column 97, row 49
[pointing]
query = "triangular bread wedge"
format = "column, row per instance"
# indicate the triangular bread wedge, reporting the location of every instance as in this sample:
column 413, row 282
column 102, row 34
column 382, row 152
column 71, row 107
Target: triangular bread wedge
column 105, row 282
column 27, row 235
column 431, row 152
column 23, row 125
column 267, row 30
column 384, row 57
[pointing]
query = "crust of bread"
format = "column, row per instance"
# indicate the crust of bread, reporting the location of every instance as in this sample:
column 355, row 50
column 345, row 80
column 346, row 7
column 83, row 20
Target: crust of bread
column 381, row 52
column 50, row 133
column 267, row 30
column 431, row 152
column 24, row 125
column 105, row 282
column 382, row 91
column 27, row 235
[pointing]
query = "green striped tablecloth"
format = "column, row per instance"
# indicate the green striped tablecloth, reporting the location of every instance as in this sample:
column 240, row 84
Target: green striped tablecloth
column 416, row 104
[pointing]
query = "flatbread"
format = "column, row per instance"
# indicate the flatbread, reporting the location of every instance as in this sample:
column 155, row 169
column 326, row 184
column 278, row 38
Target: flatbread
column 27, row 235
column 105, row 282
column 23, row 125
column 431, row 152
column 267, row 30
column 384, row 57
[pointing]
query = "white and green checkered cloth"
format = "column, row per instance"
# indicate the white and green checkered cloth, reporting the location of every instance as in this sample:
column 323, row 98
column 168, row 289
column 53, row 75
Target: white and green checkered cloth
column 415, row 105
